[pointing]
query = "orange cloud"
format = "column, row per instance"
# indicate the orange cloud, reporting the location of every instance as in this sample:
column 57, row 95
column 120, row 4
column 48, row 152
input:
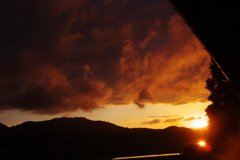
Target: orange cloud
column 152, row 121
column 190, row 119
column 173, row 73
column 171, row 120
column 68, row 56
column 144, row 96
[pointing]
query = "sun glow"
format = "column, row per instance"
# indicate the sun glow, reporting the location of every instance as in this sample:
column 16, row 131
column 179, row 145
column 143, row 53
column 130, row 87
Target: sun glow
column 202, row 143
column 200, row 123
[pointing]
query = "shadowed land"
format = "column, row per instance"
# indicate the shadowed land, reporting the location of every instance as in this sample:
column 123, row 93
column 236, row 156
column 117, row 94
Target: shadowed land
column 80, row 138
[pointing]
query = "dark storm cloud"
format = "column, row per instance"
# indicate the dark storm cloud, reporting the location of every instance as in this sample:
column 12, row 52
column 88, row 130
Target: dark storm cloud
column 60, row 55
column 39, row 55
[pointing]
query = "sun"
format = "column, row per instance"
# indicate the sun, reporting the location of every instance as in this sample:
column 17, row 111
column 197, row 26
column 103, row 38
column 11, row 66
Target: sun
column 201, row 143
column 200, row 123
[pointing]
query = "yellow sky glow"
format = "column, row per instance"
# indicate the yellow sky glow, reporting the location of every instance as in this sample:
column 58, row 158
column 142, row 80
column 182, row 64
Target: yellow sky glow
column 156, row 116
column 200, row 123
column 167, row 115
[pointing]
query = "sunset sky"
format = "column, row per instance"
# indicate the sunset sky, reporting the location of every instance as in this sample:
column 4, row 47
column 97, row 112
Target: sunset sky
column 134, row 63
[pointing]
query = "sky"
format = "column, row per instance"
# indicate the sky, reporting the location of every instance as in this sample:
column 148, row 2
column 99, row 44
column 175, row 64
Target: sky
column 134, row 63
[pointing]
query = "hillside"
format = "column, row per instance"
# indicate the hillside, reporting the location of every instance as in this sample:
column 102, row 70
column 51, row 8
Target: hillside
column 80, row 138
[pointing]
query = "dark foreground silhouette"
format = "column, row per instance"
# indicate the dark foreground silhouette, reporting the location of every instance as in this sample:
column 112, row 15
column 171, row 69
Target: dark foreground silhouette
column 83, row 139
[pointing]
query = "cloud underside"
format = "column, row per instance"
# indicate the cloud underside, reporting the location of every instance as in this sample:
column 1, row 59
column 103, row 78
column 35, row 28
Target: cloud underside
column 167, row 119
column 154, row 121
column 63, row 56
column 192, row 118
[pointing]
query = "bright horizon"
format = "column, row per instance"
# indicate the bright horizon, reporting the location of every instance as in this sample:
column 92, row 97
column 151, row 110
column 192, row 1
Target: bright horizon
column 152, row 116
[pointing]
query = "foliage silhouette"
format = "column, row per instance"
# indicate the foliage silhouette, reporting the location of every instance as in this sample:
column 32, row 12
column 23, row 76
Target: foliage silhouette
column 224, row 110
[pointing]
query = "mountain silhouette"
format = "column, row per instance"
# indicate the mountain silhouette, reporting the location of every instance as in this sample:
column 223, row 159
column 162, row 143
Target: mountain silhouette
column 3, row 128
column 81, row 138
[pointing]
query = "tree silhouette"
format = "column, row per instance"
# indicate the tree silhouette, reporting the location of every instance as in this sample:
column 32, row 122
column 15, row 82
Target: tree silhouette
column 224, row 111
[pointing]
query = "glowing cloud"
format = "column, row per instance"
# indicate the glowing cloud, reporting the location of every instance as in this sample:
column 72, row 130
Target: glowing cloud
column 152, row 121
column 60, row 56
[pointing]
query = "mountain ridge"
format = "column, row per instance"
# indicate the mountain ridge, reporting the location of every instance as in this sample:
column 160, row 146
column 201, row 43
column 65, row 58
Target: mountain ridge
column 80, row 136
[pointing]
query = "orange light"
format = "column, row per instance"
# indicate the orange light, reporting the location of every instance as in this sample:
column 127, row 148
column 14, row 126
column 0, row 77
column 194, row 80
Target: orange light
column 200, row 123
column 202, row 143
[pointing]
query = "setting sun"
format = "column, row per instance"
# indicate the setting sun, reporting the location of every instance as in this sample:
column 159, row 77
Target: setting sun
column 202, row 143
column 200, row 123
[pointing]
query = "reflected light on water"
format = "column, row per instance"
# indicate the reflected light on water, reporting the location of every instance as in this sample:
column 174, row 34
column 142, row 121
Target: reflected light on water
column 148, row 156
